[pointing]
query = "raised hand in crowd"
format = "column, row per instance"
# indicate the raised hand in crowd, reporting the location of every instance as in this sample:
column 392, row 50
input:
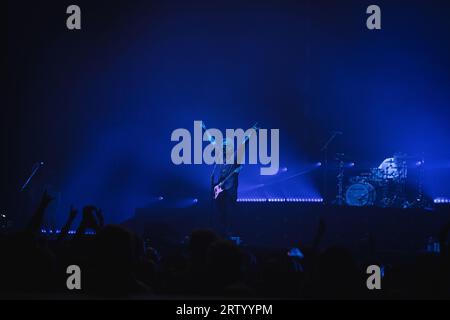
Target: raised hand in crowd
column 36, row 220
column 89, row 220
column 65, row 229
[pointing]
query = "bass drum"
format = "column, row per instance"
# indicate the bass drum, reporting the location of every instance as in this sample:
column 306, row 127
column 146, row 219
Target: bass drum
column 360, row 195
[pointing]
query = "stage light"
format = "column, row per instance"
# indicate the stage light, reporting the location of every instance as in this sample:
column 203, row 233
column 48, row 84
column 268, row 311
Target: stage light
column 284, row 169
column 441, row 200
column 319, row 164
column 295, row 252
column 58, row 231
column 195, row 200
column 160, row 198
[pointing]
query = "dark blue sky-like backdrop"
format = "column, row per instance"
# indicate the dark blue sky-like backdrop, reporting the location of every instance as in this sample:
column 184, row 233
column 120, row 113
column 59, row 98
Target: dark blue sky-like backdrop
column 98, row 105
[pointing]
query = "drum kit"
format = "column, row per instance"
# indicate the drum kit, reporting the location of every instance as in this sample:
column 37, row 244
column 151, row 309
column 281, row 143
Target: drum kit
column 384, row 186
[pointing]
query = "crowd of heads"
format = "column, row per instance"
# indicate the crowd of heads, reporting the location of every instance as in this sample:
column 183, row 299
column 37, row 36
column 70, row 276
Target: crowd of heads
column 115, row 262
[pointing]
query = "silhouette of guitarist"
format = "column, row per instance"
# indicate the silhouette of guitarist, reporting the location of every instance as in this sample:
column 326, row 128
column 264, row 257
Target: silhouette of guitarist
column 226, row 188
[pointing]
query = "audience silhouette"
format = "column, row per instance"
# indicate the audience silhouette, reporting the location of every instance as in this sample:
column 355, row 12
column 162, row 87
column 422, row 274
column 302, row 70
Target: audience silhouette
column 115, row 262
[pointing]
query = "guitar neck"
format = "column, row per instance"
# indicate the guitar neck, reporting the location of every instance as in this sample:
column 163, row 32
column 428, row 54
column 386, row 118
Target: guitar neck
column 230, row 175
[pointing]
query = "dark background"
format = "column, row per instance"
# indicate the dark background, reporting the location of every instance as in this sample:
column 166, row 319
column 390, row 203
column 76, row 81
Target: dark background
column 98, row 105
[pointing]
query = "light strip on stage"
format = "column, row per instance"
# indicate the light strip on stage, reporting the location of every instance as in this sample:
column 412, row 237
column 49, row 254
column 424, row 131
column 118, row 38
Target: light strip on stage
column 309, row 200
column 441, row 200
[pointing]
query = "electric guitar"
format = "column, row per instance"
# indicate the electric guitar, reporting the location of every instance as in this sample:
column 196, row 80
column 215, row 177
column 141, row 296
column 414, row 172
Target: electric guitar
column 218, row 188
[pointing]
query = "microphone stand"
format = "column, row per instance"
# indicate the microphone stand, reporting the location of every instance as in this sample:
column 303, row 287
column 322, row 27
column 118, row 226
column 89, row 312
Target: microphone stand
column 324, row 149
column 34, row 170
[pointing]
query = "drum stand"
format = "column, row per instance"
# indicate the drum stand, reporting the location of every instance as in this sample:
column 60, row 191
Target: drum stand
column 324, row 149
column 419, row 201
column 385, row 201
column 386, row 184
column 340, row 184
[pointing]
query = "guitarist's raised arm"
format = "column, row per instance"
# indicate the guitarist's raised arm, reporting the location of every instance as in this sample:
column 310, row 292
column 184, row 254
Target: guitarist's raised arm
column 210, row 138
column 241, row 149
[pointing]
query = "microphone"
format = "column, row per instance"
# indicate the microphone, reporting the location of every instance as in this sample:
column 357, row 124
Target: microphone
column 37, row 165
